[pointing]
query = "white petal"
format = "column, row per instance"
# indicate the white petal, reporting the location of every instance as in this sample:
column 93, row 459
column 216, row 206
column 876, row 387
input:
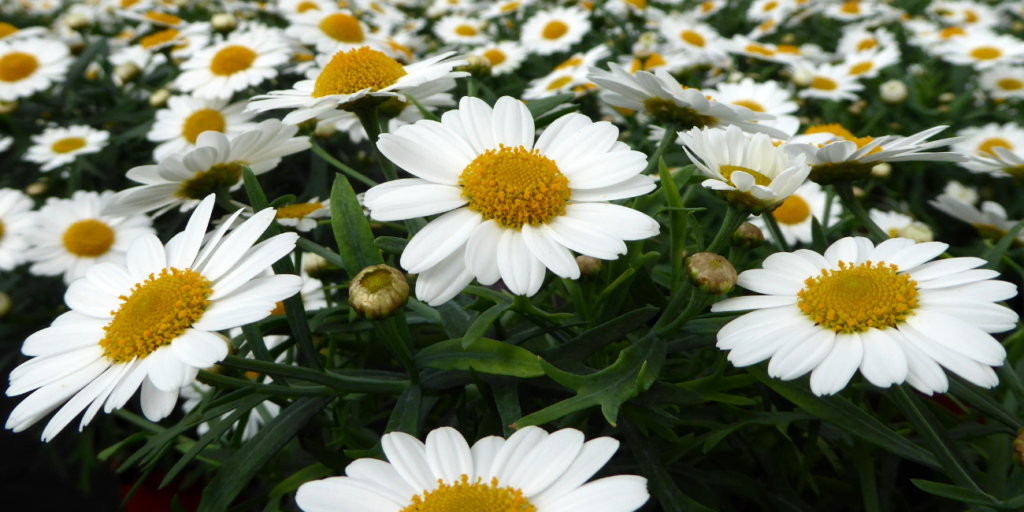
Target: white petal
column 439, row 239
column 200, row 349
column 448, row 455
column 884, row 362
column 482, row 252
column 839, row 366
column 551, row 253
column 157, row 404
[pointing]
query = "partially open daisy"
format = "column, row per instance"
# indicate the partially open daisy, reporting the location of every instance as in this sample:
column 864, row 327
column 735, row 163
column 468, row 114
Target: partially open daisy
column 178, row 126
column 332, row 30
column 768, row 98
column 244, row 59
column 983, row 50
column 350, row 76
column 991, row 220
column 794, row 216
column 489, row 232
column 532, row 471
column 889, row 311
column 660, row 95
column 461, row 30
column 751, row 173
column 70, row 235
column 505, row 57
column 1003, row 82
column 28, row 66
column 153, row 323
column 830, row 82
column 215, row 164
column 555, row 30
column 15, row 221
column 58, row 146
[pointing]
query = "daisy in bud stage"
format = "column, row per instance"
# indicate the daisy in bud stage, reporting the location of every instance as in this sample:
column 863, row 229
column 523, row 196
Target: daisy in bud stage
column 751, row 173
column 351, row 76
column 888, row 310
column 991, row 220
column 58, row 146
column 28, row 66
column 15, row 222
column 514, row 206
column 178, row 126
column 901, row 225
column 531, row 471
column 183, row 179
column 152, row 324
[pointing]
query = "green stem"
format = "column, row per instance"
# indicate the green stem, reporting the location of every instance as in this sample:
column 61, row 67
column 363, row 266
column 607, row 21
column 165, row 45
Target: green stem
column 346, row 170
column 773, row 228
column 470, row 87
column 666, row 140
column 368, row 116
column 389, row 331
column 733, row 219
column 223, row 199
column 697, row 301
column 844, row 189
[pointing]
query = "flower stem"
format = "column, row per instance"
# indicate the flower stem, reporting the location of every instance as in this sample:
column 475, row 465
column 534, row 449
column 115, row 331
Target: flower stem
column 773, row 228
column 666, row 141
column 368, row 117
column 348, row 171
column 389, row 331
column 845, row 192
column 732, row 221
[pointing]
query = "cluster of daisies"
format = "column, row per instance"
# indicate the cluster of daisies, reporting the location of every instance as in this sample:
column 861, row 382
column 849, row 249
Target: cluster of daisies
column 442, row 91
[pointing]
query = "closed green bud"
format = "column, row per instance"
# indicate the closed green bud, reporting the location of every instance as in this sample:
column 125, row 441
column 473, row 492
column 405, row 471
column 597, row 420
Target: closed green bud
column 748, row 236
column 711, row 273
column 378, row 291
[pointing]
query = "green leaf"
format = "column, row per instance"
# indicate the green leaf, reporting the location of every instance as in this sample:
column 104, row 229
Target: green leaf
column 351, row 381
column 956, row 493
column 818, row 239
column 484, row 355
column 391, row 244
column 483, row 322
column 351, row 230
column 306, row 474
column 236, row 472
column 976, row 397
column 544, row 105
column 676, row 219
column 454, row 318
column 995, row 254
column 662, row 486
column 112, row 449
column 405, row 417
column 592, row 340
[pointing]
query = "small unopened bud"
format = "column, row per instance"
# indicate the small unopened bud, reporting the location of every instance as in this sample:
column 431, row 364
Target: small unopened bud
column 5, row 304
column 478, row 66
column 734, row 77
column 917, row 231
column 378, row 291
column 748, row 236
column 964, row 193
column 803, row 77
column 947, row 97
column 711, row 272
column 37, row 188
column 127, row 72
column 159, row 98
column 893, row 91
column 1018, row 448
column 77, row 21
column 314, row 265
column 223, row 22
column 882, row 170
column 858, row 192
column 325, row 130
column 589, row 266
column 6, row 107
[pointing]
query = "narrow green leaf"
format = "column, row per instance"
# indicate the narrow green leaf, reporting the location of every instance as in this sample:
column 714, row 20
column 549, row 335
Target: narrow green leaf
column 484, row 356
column 662, row 486
column 818, row 239
column 391, row 244
column 405, row 417
column 676, row 220
column 545, row 105
column 995, row 254
column 351, row 229
column 454, row 318
column 972, row 395
column 592, row 340
column 114, row 448
column 953, row 492
column 351, row 381
column 310, row 246
column 483, row 322
column 506, row 397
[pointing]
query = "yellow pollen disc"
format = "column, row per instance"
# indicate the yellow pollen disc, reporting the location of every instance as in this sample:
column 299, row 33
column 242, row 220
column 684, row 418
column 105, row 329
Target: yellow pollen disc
column 17, row 66
column 376, row 280
column 654, row 61
column 856, row 298
column 342, row 27
column 692, row 37
column 866, row 45
column 759, row 179
column 759, row 50
column 307, row 6
column 571, row 62
column 863, row 67
column 68, row 145
column 7, row 29
column 495, row 55
column 788, row 48
column 278, row 309
column 465, row 30
column 970, row 16
column 554, row 30
column 770, row 6
column 1, row 229
column 158, row 38
column 220, row 176
column 298, row 211
column 157, row 311
column 1010, row 84
column 163, row 18
column 352, row 71
column 204, row 120
column 639, row 4
column 987, row 148
column 707, row 6
column 559, row 82
column 515, row 186
column 511, row 6
column 833, row 128
column 128, row 3
column 466, row 497
column 852, row 7
column 986, row 53
column 231, row 60
column 951, row 32
column 751, row 104
column 824, row 83
column 793, row 210
column 88, row 238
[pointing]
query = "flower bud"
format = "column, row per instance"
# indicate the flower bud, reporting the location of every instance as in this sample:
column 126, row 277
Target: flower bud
column 803, row 77
column 5, row 304
column 893, row 91
column 917, row 231
column 127, row 72
column 589, row 266
column 77, row 21
column 478, row 66
column 711, row 272
column 882, row 170
column 38, row 188
column 325, row 130
column 6, row 107
column 314, row 265
column 748, row 236
column 1018, row 448
column 378, row 291
column 159, row 98
column 223, row 22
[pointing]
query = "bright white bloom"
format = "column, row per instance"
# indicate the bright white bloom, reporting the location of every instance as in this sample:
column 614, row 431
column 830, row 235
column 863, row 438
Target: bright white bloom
column 794, row 216
column 332, row 31
column 461, row 30
column 304, row 216
column 431, row 95
column 505, row 56
column 868, row 63
column 570, row 173
column 962, row 192
column 830, row 82
column 761, row 10
column 570, row 75
column 963, row 13
column 708, row 8
column 183, row 179
column 58, row 146
column 178, row 126
column 555, row 30
column 768, row 98
column 9, row 32
column 1003, row 82
column 983, row 50
column 993, row 148
column 504, row 8
column 901, row 225
column 28, row 66
column 246, row 58
column 889, row 311
column 5, row 142
column 851, row 10
column 694, row 37
column 991, row 220
column 531, row 470
column 858, row 38
column 15, row 221
column 68, row 236
column 288, row 7
column 783, row 54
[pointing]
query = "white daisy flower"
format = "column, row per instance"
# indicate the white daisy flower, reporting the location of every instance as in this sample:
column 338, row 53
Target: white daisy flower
column 30, row 65
column 5, row 142
column 983, row 50
column 178, row 126
column 830, row 82
column 851, row 10
column 751, row 173
column 505, row 56
column 889, row 311
column 157, row 18
column 69, row 236
column 1003, row 82
column 867, row 64
column 991, row 220
column 10, row 32
column 962, row 192
column 963, row 13
column 351, row 76
column 569, row 75
column 570, row 173
column 457, row 29
column 708, row 8
column 760, row 10
column 532, row 470
column 794, row 216
column 555, row 30
column 768, row 98
column 304, row 216
column 504, row 8
column 672, row 62
column 697, row 38
column 783, row 53
column 58, row 146
column 16, row 220
column 859, row 38
column 332, row 31
column 994, row 149
column 431, row 95
column 901, row 225
column 290, row 7
column 183, row 179
column 246, row 58
column 153, row 323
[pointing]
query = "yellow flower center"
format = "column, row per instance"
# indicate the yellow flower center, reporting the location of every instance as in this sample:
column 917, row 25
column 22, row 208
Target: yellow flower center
column 88, row 238
column 759, row 50
column 852, row 7
column 639, row 4
column 298, row 211
column 158, row 38
column 376, row 280
column 951, row 32
column 515, row 186
column 986, row 53
column 759, row 179
column 833, row 128
column 666, row 110
column 231, row 60
column 68, row 145
column 495, row 55
column 220, row 176
column 866, row 44
column 858, row 297
column 571, row 62
column 1, row 229
column 793, row 210
column 987, row 147
column 554, row 30
column 476, row 497
column 157, row 311
column 342, row 27
column 654, row 61
column 160, row 17
column 751, row 104
column 707, row 6
column 465, row 30
column 509, row 7
column 352, row 71
column 1010, row 84
column 17, row 66
column 970, row 16
column 559, row 82
column 7, row 29
column 770, row 6
column 861, row 68
column 204, row 120
column 307, row 6
column 693, row 38
column 824, row 83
